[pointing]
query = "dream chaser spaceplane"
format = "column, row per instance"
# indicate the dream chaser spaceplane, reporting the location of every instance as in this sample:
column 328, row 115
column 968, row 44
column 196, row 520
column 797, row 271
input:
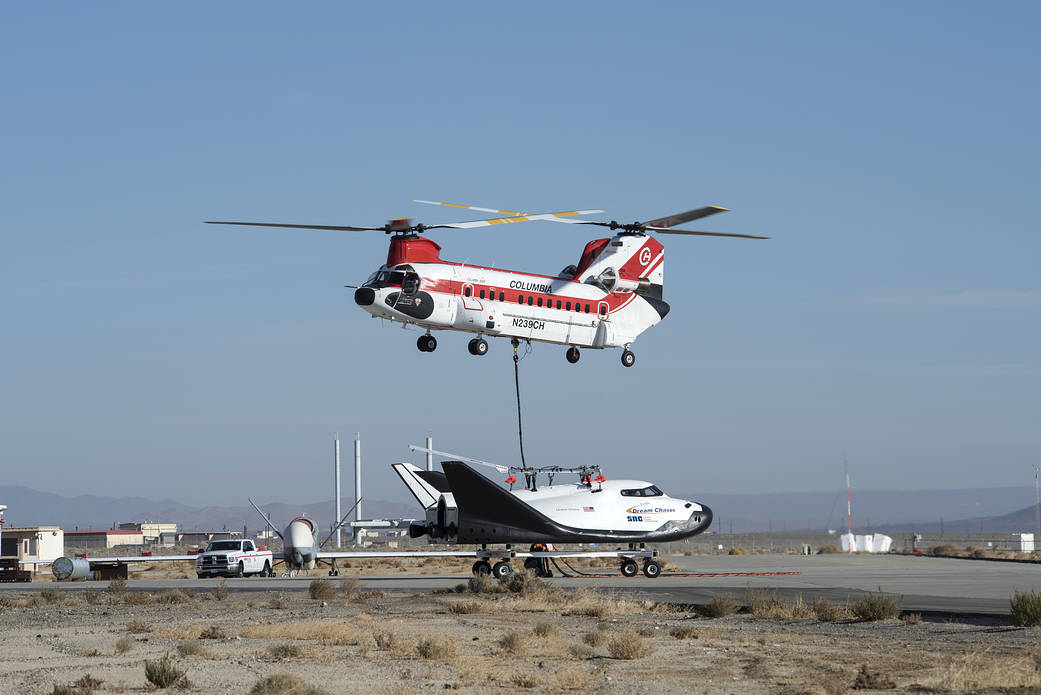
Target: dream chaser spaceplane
column 463, row 506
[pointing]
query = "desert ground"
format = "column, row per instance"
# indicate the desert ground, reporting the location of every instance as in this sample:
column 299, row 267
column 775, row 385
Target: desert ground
column 525, row 635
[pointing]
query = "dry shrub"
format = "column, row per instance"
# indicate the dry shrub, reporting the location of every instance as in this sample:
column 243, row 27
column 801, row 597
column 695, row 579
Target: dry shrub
column 629, row 645
column 544, row 628
column 574, row 679
column 138, row 626
column 578, row 650
column 123, row 645
column 738, row 551
column 163, row 673
column 220, row 592
column 868, row 680
column 911, row 618
column 524, row 680
column 595, row 638
column 514, row 643
column 278, row 602
column 594, row 604
column 482, row 584
column 175, row 596
column 827, row 611
column 286, row 651
column 877, row 607
column 978, row 553
column 828, row 549
column 945, row 549
column 6, row 602
column 321, row 589
column 371, row 593
column 52, row 596
column 189, row 648
column 87, row 683
column 350, row 588
column 390, row 642
column 684, row 632
column 117, row 586
column 212, row 632
column 132, row 598
column 720, row 606
column 437, row 648
column 284, row 684
column 1025, row 608
column 446, row 590
column 330, row 634
column 465, row 607
column 771, row 606
column 95, row 597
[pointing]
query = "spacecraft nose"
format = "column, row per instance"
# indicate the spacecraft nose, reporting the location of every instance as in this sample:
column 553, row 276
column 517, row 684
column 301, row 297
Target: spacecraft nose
column 364, row 296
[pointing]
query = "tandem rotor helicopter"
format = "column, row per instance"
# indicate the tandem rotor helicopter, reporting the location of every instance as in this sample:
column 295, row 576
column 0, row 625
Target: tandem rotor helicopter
column 609, row 298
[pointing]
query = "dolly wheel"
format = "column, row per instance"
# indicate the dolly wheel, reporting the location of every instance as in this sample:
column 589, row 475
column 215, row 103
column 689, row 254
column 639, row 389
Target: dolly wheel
column 481, row 568
column 629, row 568
column 501, row 570
column 651, row 569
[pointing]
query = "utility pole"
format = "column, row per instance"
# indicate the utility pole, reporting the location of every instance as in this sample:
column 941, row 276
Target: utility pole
column 357, row 486
column 849, row 511
column 430, row 456
column 1037, row 508
column 336, row 476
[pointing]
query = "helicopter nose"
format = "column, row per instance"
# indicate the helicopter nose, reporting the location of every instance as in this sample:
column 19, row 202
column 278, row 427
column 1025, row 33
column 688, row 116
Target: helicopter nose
column 364, row 296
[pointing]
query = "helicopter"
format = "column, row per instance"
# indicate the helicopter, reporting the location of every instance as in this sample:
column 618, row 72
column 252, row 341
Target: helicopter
column 606, row 300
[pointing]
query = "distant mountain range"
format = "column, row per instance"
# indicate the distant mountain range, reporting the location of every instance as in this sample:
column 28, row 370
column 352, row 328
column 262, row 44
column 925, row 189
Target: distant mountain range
column 986, row 510
column 28, row 507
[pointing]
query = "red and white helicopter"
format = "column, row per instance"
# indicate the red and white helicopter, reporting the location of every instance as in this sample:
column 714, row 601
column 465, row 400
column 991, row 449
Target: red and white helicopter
column 609, row 298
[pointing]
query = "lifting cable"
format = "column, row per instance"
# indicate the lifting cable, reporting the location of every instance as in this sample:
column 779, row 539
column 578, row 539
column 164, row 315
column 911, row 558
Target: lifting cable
column 529, row 478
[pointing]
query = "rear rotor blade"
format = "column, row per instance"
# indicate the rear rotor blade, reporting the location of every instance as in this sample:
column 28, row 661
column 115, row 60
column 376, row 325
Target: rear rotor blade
column 470, row 207
column 303, row 226
column 659, row 230
column 681, row 217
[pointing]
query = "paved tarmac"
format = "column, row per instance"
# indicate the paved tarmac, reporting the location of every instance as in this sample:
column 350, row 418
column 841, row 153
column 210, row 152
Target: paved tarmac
column 929, row 585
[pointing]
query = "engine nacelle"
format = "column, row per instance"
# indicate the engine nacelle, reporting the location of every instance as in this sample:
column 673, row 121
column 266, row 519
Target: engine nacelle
column 611, row 282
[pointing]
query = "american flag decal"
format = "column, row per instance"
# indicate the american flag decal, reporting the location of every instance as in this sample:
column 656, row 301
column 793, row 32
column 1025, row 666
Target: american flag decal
column 587, row 509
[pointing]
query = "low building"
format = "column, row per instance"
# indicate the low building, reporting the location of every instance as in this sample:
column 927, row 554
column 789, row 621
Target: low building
column 201, row 538
column 102, row 540
column 151, row 530
column 33, row 545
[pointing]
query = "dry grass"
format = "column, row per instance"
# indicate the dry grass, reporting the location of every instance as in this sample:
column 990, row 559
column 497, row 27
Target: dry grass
column 1025, row 608
column 191, row 648
column 124, row 644
column 465, row 607
column 138, row 626
column 327, row 633
column 985, row 671
column 595, row 638
column 911, row 618
column 163, row 673
column 284, row 684
column 737, row 551
column 544, row 629
column 878, row 606
column 437, row 648
column 390, row 642
column 720, row 606
column 684, row 632
column 350, row 588
column 629, row 645
column 175, row 596
column 573, row 679
column 321, row 589
column 220, row 592
column 513, row 643
column 579, row 650
column 212, row 632
column 828, row 611
column 278, row 602
column 285, row 651
column 54, row 597
column 95, row 597
column 771, row 606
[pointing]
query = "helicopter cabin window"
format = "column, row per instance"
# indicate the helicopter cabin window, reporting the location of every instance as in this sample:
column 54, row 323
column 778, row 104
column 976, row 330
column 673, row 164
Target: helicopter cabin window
column 520, row 298
column 502, row 296
column 482, row 294
column 649, row 491
column 603, row 309
column 587, row 308
column 558, row 303
column 530, row 300
column 467, row 291
column 540, row 301
column 568, row 306
column 411, row 284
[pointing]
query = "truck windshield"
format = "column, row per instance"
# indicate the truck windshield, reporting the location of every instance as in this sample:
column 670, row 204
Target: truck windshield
column 224, row 545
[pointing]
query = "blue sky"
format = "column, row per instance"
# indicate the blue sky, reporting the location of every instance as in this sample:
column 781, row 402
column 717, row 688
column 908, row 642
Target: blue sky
column 890, row 151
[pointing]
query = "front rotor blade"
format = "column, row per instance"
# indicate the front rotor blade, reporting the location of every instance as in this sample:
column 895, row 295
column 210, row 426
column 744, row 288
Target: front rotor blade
column 470, row 207
column 303, row 226
column 543, row 216
column 681, row 217
column 659, row 230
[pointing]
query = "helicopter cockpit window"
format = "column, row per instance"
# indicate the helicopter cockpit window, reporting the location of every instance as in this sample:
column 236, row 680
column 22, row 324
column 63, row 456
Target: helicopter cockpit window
column 384, row 278
column 649, row 491
column 411, row 284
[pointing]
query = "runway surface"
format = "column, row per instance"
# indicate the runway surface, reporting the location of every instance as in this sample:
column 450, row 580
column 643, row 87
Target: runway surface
column 928, row 584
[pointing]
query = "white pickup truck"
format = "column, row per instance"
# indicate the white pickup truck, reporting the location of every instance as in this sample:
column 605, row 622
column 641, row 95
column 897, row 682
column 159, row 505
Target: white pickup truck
column 233, row 558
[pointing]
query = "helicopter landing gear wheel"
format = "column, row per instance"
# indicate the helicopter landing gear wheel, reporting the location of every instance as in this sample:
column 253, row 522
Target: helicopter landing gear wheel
column 426, row 343
column 572, row 354
column 501, row 570
column 481, row 568
column 651, row 569
column 629, row 568
column 628, row 358
column 478, row 346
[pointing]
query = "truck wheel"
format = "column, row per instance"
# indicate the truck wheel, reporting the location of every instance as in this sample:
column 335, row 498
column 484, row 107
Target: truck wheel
column 266, row 572
column 201, row 576
column 241, row 571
